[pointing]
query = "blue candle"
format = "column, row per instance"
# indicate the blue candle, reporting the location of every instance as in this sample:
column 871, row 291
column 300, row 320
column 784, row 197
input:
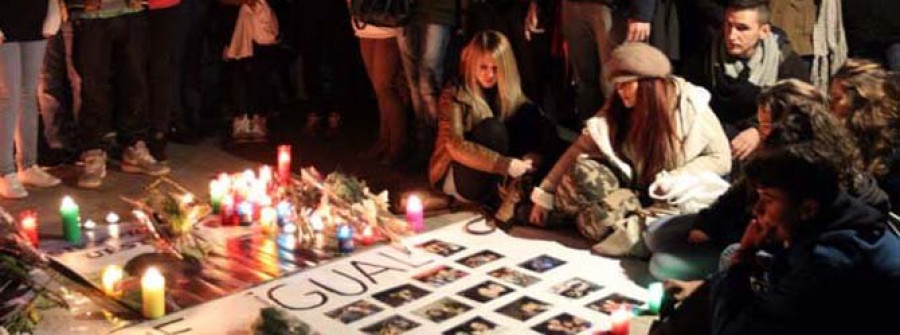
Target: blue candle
column 284, row 212
column 345, row 239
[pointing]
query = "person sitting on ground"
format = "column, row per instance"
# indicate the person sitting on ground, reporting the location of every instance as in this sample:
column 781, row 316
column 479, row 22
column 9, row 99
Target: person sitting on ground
column 747, row 57
column 654, row 122
column 861, row 97
column 487, row 128
column 810, row 254
column 791, row 111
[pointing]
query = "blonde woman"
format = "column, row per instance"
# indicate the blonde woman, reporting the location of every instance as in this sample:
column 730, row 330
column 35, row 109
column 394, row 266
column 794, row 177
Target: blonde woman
column 487, row 128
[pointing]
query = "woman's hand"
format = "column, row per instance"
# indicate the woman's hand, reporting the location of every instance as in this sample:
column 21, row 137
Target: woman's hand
column 745, row 143
column 518, row 167
column 532, row 24
column 681, row 289
column 538, row 215
column 638, row 31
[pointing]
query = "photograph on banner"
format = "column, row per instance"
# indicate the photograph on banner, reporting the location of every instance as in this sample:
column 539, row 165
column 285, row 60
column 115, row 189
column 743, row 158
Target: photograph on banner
column 542, row 263
column 480, row 258
column 610, row 302
column 486, row 291
column 475, row 326
column 440, row 276
column 575, row 288
column 442, row 248
column 524, row 308
column 441, row 310
column 392, row 325
column 514, row 277
column 354, row 311
column 400, row 295
column 563, row 324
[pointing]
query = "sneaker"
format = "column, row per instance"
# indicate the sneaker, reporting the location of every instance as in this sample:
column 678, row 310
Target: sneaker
column 312, row 124
column 94, row 169
column 11, row 187
column 240, row 128
column 257, row 131
column 137, row 159
column 35, row 176
column 334, row 125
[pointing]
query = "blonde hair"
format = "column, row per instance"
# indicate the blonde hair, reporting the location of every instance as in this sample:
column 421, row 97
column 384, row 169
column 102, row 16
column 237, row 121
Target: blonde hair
column 494, row 44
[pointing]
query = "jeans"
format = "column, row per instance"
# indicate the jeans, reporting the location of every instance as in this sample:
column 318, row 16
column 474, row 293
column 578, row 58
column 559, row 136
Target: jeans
column 423, row 47
column 20, row 66
column 110, row 54
column 586, row 27
column 382, row 60
column 893, row 57
column 673, row 256
column 475, row 185
column 59, row 90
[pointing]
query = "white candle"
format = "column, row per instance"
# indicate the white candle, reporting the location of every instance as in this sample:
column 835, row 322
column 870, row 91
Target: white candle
column 112, row 276
column 153, row 293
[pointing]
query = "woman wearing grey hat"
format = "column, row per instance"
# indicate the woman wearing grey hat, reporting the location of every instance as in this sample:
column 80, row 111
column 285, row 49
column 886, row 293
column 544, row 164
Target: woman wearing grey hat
column 655, row 122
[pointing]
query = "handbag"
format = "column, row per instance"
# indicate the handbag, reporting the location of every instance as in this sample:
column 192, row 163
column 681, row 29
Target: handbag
column 381, row 13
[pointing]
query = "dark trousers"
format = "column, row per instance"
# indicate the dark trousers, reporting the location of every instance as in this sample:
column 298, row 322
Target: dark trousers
column 251, row 90
column 475, row 185
column 586, row 26
column 167, row 42
column 59, row 91
column 326, row 44
column 110, row 54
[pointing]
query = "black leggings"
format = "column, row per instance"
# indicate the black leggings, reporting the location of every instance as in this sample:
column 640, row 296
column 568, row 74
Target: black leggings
column 480, row 186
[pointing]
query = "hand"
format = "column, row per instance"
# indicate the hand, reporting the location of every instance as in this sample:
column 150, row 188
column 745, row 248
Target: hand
column 745, row 143
column 697, row 236
column 681, row 289
column 518, row 167
column 638, row 31
column 538, row 215
column 754, row 236
column 531, row 21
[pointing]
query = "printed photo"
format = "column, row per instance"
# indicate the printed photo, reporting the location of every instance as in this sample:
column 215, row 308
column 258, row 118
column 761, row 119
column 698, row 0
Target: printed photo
column 400, row 295
column 563, row 324
column 443, row 309
column 440, row 276
column 514, row 277
column 611, row 302
column 486, row 291
column 542, row 263
column 354, row 311
column 480, row 259
column 441, row 248
column 476, row 326
column 391, row 326
column 575, row 288
column 524, row 308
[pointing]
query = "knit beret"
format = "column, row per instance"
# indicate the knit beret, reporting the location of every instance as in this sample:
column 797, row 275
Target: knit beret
column 633, row 60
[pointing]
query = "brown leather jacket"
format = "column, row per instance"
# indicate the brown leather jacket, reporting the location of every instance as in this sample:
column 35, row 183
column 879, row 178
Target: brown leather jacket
column 456, row 116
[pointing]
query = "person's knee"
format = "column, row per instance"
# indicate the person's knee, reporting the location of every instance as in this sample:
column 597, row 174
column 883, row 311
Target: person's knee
column 492, row 133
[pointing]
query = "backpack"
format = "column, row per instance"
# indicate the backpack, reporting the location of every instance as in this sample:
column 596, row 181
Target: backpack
column 381, row 13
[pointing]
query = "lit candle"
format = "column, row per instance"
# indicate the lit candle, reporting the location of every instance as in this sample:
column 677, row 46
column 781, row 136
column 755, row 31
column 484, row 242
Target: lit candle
column 656, row 296
column 112, row 277
column 187, row 199
column 268, row 220
column 289, row 228
column 71, row 225
column 90, row 225
column 248, row 177
column 285, row 213
column 415, row 214
column 245, row 213
column 315, row 223
column 284, row 163
column 620, row 318
column 29, row 226
column 216, row 194
column 112, row 224
column 227, row 212
column 345, row 239
column 367, row 236
column 265, row 175
column 153, row 293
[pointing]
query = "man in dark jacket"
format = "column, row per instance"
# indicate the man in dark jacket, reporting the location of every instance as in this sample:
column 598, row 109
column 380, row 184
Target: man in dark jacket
column 748, row 56
column 814, row 260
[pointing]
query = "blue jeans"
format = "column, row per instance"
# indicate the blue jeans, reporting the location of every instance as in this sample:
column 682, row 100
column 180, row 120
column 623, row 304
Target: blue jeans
column 673, row 256
column 893, row 57
column 423, row 47
column 20, row 68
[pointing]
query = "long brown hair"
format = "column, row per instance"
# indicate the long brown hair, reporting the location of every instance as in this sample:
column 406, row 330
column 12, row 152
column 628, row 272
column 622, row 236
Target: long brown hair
column 645, row 134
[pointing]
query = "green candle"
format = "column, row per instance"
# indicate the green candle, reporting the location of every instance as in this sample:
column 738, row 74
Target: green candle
column 656, row 297
column 71, row 225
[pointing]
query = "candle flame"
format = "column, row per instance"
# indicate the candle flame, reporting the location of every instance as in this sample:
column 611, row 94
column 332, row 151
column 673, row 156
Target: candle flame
column 112, row 218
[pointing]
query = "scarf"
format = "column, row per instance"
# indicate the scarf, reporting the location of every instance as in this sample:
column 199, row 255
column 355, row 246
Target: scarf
column 829, row 43
column 763, row 65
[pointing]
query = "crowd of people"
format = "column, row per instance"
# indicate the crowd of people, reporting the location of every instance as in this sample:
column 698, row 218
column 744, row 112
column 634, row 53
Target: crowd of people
column 793, row 103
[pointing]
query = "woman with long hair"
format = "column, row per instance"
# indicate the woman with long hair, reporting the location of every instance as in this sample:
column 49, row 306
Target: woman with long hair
column 487, row 128
column 860, row 97
column 654, row 123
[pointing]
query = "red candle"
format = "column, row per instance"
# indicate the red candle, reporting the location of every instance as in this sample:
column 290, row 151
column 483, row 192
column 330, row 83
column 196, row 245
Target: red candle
column 284, row 163
column 415, row 214
column 620, row 319
column 227, row 211
column 29, row 226
column 367, row 236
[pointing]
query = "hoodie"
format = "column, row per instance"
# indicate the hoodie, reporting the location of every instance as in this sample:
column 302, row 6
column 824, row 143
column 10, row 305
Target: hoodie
column 828, row 281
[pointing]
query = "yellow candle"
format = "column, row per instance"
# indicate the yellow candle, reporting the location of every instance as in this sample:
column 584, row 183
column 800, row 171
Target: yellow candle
column 112, row 276
column 153, row 293
column 268, row 220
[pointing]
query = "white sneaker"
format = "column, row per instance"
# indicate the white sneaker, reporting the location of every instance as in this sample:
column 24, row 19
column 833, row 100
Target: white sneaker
column 137, row 159
column 35, row 176
column 11, row 187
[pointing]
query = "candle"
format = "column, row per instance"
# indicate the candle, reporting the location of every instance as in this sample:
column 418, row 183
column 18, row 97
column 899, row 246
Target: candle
column 414, row 214
column 285, row 213
column 187, row 199
column 112, row 224
column 315, row 223
column 656, row 297
column 112, row 277
column 90, row 225
column 265, row 175
column 289, row 228
column 620, row 318
column 248, row 177
column 268, row 219
column 245, row 213
column 71, row 225
column 153, row 293
column 29, row 227
column 345, row 239
column 216, row 194
column 367, row 236
column 284, row 163
column 227, row 211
